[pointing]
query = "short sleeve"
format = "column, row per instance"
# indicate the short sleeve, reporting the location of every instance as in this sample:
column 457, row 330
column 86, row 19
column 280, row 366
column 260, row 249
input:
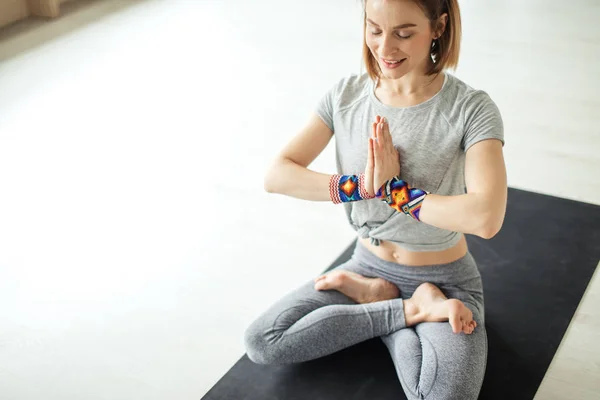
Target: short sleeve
column 327, row 105
column 482, row 120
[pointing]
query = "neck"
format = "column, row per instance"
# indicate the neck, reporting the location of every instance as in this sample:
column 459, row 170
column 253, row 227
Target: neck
column 415, row 83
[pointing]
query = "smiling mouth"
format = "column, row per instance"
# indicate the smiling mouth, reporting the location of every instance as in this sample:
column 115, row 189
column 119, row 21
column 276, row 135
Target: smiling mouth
column 392, row 63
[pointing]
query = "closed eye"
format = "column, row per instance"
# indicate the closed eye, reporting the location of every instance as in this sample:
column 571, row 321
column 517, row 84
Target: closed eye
column 377, row 33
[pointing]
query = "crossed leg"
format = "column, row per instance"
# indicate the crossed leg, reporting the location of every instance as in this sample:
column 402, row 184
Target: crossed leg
column 317, row 319
column 434, row 363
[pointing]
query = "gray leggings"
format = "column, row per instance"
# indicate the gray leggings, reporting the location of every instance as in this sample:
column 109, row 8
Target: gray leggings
column 431, row 361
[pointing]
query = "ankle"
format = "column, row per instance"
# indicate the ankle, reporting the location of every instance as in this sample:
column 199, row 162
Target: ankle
column 411, row 312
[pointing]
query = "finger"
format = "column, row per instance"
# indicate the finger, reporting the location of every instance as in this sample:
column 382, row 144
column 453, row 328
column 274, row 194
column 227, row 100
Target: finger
column 384, row 139
column 384, row 135
column 392, row 149
column 376, row 153
column 370, row 168
column 377, row 119
column 374, row 147
column 379, row 136
column 387, row 134
column 374, row 132
column 386, row 128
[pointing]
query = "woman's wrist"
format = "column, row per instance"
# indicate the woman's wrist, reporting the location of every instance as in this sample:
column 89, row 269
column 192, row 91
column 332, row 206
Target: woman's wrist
column 347, row 188
column 401, row 197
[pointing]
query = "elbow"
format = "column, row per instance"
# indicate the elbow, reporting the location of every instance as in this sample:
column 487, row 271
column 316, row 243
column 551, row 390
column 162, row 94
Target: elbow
column 489, row 216
column 273, row 177
column 489, row 226
column 488, row 232
column 269, row 184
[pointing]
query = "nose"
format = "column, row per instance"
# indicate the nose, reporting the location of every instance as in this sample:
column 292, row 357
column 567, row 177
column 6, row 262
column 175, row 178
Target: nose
column 388, row 47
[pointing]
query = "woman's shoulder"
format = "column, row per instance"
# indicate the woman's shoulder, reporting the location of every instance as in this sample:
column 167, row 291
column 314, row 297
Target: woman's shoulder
column 349, row 89
column 464, row 98
column 462, row 92
column 478, row 115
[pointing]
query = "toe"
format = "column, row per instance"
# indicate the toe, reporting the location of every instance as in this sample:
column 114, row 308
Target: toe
column 325, row 283
column 455, row 323
column 455, row 315
column 337, row 280
column 466, row 327
column 471, row 327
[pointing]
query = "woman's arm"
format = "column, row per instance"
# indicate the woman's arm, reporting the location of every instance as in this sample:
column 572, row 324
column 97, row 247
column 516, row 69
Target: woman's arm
column 481, row 211
column 289, row 175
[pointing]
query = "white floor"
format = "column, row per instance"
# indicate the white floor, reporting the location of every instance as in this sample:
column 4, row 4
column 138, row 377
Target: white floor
column 136, row 243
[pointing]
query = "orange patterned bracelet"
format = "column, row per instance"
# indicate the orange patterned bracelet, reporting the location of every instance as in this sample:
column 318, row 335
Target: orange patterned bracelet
column 346, row 188
column 398, row 195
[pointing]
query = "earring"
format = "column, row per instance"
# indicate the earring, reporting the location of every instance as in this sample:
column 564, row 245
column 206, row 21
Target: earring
column 434, row 48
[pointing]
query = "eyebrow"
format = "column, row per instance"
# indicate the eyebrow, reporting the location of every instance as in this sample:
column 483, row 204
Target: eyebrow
column 396, row 27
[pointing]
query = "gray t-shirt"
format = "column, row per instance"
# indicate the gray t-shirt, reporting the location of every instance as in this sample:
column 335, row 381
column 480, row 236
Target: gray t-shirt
column 432, row 139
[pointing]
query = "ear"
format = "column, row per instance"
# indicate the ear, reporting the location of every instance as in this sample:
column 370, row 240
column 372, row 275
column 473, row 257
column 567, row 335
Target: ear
column 441, row 25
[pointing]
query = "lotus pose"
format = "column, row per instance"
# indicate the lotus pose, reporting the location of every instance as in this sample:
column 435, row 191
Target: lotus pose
column 419, row 157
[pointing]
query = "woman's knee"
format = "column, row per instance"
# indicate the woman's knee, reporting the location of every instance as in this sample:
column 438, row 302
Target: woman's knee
column 265, row 339
column 262, row 340
column 256, row 343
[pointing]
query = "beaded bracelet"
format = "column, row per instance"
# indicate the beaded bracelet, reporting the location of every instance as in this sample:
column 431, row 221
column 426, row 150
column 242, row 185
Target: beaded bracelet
column 398, row 195
column 346, row 188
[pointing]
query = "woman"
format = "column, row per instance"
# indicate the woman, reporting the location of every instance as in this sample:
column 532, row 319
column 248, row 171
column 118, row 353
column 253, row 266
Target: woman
column 420, row 163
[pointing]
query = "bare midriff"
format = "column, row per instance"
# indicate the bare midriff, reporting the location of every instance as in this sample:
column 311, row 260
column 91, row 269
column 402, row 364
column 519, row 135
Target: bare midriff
column 392, row 252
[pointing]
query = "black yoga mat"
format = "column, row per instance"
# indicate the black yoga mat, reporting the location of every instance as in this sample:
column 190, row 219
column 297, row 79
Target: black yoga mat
column 534, row 272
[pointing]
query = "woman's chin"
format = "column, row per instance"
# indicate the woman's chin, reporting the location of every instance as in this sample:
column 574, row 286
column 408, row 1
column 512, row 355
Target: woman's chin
column 394, row 74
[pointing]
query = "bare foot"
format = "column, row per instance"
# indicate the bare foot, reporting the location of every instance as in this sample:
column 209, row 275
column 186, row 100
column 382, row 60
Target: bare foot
column 357, row 287
column 428, row 304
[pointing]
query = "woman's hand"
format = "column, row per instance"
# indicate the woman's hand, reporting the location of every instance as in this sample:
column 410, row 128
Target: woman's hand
column 386, row 160
column 370, row 163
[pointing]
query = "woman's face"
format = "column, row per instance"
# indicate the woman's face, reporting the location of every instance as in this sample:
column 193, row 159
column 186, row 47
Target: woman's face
column 399, row 36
